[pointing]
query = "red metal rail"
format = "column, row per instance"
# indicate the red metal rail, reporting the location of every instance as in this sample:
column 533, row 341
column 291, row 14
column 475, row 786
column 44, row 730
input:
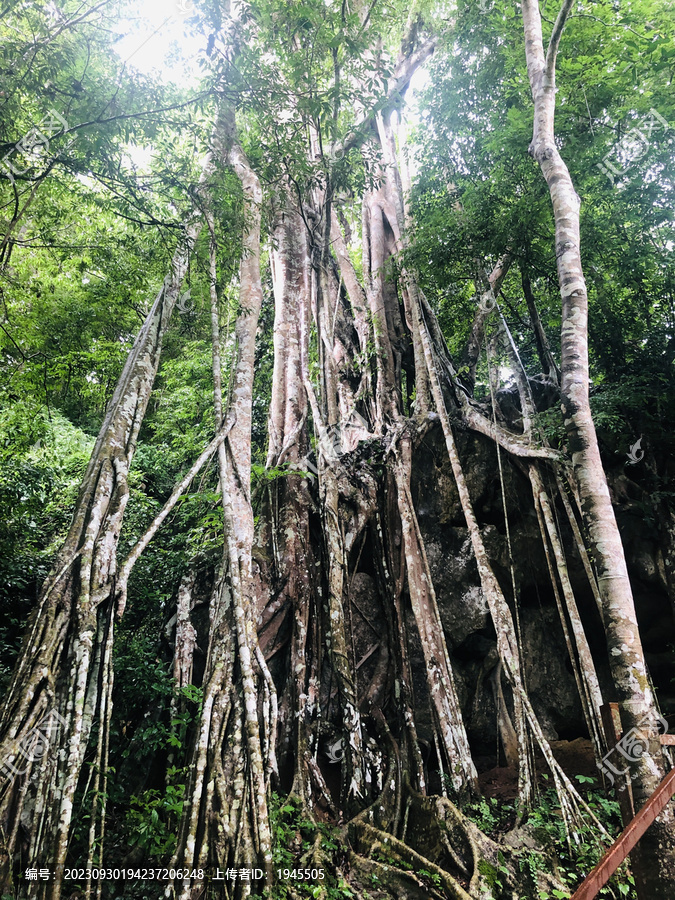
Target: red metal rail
column 627, row 840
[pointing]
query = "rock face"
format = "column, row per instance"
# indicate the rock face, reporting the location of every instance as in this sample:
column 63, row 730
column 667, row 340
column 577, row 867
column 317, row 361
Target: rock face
column 464, row 613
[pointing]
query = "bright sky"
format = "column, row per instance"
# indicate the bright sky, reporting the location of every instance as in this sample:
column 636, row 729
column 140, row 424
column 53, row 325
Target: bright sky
column 159, row 40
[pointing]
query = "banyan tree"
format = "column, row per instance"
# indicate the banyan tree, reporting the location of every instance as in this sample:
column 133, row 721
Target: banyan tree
column 313, row 637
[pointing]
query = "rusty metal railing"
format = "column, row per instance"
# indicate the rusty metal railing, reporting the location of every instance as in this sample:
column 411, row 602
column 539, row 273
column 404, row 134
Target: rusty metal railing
column 635, row 827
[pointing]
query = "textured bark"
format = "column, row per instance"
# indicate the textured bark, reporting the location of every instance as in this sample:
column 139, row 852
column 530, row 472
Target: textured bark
column 186, row 636
column 655, row 861
column 374, row 274
column 357, row 297
column 231, row 814
column 501, row 615
column 287, row 529
column 135, row 553
column 491, row 289
column 60, row 665
column 291, row 281
column 399, row 226
column 455, row 743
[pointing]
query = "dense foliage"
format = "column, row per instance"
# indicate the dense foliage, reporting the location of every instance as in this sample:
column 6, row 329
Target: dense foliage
column 87, row 229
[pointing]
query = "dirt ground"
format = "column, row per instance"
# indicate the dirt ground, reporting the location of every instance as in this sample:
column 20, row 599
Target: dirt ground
column 575, row 758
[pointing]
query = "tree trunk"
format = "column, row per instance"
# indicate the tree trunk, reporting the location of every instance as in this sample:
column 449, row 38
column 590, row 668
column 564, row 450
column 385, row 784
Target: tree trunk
column 655, row 861
column 60, row 666
column 226, row 809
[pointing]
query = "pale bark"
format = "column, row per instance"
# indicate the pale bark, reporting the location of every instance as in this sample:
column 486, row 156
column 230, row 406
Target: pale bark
column 59, row 667
column 186, row 635
column 491, row 289
column 374, row 274
column 290, row 278
column 394, row 190
column 548, row 363
column 233, row 608
column 178, row 491
column 353, row 772
column 288, row 498
column 441, row 682
column 357, row 297
column 655, row 861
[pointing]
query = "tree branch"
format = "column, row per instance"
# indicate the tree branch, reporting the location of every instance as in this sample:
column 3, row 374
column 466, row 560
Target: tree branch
column 178, row 491
column 512, row 443
column 398, row 83
column 554, row 42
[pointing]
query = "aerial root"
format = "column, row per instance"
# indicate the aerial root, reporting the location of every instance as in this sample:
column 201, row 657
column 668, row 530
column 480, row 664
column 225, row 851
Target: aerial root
column 443, row 854
column 399, row 868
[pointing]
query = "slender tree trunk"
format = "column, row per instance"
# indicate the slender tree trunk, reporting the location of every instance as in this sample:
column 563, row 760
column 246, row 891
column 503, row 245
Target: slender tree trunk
column 226, row 808
column 548, row 364
column 655, row 861
column 463, row 777
column 59, row 668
